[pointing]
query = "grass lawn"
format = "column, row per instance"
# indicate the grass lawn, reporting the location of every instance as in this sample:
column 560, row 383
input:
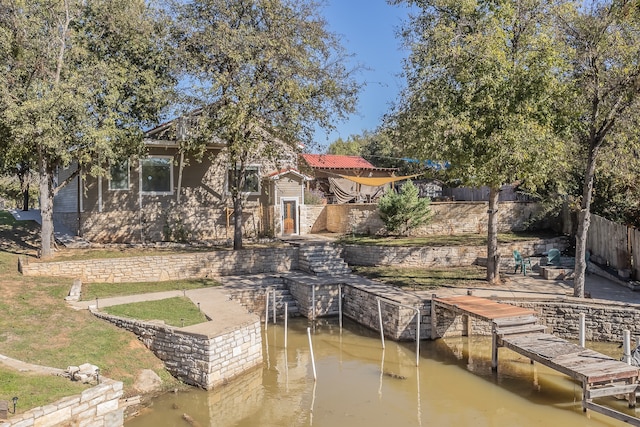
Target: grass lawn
column 28, row 389
column 471, row 239
column 426, row 279
column 92, row 291
column 37, row 326
column 177, row 311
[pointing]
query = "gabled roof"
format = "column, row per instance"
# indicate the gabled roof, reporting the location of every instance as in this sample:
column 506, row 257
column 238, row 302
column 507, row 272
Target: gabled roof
column 333, row 161
column 277, row 174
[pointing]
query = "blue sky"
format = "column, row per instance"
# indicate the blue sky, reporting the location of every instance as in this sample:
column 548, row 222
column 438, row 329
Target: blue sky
column 368, row 29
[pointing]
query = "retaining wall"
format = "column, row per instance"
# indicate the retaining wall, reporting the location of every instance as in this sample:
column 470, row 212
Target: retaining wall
column 168, row 267
column 196, row 359
column 326, row 298
column 604, row 320
column 98, row 406
column 447, row 218
column 399, row 323
column 445, row 256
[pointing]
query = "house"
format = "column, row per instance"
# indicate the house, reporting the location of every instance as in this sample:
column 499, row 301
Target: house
column 346, row 179
column 169, row 195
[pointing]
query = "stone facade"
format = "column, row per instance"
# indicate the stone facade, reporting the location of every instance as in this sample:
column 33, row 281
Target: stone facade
column 399, row 323
column 167, row 267
column 98, row 406
column 313, row 219
column 445, row 256
column 326, row 298
column 604, row 321
column 447, row 218
column 196, row 359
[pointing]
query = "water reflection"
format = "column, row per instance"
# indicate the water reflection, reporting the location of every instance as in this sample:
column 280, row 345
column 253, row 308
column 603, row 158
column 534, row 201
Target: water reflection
column 359, row 383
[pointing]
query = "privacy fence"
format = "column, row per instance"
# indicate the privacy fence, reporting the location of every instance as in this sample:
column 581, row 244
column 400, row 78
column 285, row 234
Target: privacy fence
column 618, row 245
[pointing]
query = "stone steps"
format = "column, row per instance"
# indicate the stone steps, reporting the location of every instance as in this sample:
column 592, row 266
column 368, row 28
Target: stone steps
column 322, row 260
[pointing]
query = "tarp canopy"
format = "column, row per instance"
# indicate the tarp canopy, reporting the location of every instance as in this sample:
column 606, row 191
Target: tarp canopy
column 377, row 181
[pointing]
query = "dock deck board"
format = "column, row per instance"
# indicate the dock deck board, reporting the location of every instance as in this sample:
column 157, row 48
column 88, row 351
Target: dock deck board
column 599, row 374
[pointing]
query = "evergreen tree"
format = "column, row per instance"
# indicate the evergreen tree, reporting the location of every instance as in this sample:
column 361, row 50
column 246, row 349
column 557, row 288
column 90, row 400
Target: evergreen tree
column 403, row 211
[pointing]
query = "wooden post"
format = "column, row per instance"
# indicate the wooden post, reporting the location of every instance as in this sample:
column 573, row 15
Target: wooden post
column 632, row 395
column 273, row 294
column 381, row 324
column 494, row 348
column 340, row 305
column 266, row 309
column 581, row 332
column 468, row 325
column 434, row 318
column 626, row 346
column 286, row 331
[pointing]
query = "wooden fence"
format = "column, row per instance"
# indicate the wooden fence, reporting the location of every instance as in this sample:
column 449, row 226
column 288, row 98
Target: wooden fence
column 618, row 244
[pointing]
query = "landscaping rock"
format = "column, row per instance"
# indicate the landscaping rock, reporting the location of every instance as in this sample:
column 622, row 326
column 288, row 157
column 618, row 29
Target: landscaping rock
column 147, row 381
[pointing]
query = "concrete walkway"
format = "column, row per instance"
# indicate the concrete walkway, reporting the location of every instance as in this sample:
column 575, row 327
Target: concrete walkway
column 224, row 315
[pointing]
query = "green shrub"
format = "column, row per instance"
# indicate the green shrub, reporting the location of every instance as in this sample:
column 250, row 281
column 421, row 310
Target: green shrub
column 403, row 211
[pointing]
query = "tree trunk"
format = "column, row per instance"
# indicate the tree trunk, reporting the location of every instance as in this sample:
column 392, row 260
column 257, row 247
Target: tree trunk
column 25, row 198
column 46, row 207
column 584, row 219
column 493, row 256
column 237, row 222
column 24, row 176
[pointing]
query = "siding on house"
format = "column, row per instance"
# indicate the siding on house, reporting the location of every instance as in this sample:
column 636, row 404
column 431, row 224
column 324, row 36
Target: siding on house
column 203, row 212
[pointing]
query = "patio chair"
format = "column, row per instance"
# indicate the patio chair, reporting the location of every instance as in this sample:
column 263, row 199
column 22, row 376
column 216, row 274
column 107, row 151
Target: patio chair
column 521, row 262
column 553, row 257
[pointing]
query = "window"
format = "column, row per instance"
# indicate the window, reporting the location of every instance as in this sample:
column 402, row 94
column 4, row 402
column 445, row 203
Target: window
column 251, row 180
column 119, row 176
column 156, row 174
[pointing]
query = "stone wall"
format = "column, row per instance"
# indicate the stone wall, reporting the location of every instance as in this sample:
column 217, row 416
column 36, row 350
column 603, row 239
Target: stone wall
column 167, row 267
column 445, row 256
column 447, row 218
column 604, row 320
column 313, row 219
column 326, row 298
column 399, row 323
column 196, row 359
column 98, row 406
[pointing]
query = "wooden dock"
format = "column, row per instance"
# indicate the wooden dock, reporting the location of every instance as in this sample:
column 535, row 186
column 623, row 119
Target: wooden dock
column 516, row 328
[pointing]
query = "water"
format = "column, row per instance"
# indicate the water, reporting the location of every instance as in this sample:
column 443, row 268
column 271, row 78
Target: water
column 360, row 384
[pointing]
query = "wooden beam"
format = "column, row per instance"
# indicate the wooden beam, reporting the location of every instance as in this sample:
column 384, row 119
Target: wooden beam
column 613, row 413
column 595, row 393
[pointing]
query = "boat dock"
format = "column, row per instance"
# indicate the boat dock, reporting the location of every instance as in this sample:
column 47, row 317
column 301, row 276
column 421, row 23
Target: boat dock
column 516, row 328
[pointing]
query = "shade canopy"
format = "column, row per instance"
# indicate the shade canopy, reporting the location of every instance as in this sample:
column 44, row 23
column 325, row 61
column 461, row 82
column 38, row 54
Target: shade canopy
column 377, row 181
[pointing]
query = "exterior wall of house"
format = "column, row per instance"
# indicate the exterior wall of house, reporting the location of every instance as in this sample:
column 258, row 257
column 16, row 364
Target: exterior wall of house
column 203, row 213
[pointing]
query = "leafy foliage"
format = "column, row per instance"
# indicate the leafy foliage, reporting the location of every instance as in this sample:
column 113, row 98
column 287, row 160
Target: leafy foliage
column 265, row 73
column 602, row 45
column 483, row 93
column 79, row 81
column 403, row 211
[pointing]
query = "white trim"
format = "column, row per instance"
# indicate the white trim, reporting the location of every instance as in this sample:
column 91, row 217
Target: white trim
column 81, row 191
column 295, row 212
column 157, row 193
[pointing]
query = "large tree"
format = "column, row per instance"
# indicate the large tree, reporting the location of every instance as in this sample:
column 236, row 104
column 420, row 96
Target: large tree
column 79, row 79
column 265, row 73
column 482, row 85
column 603, row 47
